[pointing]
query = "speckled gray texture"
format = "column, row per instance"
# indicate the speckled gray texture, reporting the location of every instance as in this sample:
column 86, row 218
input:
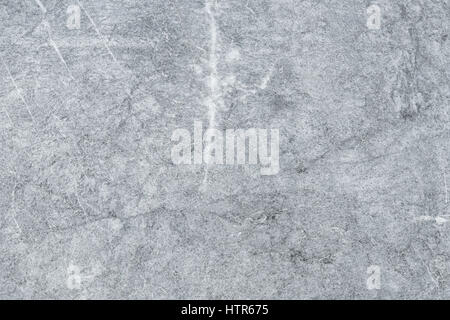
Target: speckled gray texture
column 93, row 207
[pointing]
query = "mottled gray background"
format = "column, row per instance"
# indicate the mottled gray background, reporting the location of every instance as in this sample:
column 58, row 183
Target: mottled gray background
column 87, row 182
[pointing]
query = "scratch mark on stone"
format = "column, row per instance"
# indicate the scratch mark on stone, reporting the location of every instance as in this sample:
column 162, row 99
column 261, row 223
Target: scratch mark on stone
column 97, row 31
column 13, row 205
column 105, row 42
column 17, row 225
column 50, row 40
column 53, row 44
column 7, row 114
column 79, row 202
column 17, row 89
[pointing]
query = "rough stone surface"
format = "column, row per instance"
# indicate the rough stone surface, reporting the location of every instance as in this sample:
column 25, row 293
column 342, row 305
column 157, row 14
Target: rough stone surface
column 92, row 206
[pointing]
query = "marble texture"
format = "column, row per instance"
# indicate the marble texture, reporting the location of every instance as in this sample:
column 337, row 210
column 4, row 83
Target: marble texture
column 92, row 206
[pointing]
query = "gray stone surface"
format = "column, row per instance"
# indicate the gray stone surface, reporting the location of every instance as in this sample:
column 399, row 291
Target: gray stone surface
column 91, row 205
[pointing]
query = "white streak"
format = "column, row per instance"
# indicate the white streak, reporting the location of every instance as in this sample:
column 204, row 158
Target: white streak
column 7, row 114
column 438, row 219
column 215, row 98
column 17, row 89
column 57, row 128
column 13, row 205
column 98, row 32
column 79, row 202
column 249, row 9
column 41, row 6
column 53, row 44
column 446, row 189
column 17, row 225
column 105, row 43
column 431, row 276
column 266, row 80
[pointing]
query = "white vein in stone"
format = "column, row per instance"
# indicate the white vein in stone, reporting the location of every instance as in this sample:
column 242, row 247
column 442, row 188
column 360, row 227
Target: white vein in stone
column 41, row 6
column 440, row 220
column 446, row 188
column 53, row 44
column 266, row 80
column 17, row 89
column 97, row 31
column 215, row 99
column 7, row 114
